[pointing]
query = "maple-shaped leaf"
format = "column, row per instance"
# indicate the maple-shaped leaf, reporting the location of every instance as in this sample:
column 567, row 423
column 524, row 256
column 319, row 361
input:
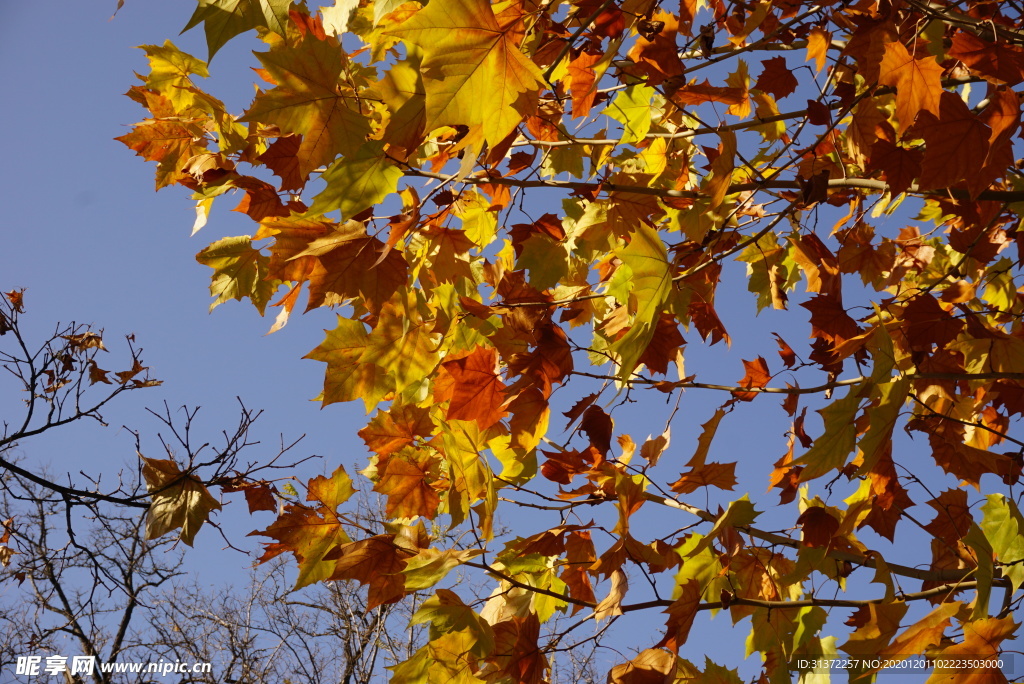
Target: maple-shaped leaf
column 650, row 284
column 875, row 626
column 282, row 158
column 477, row 392
column 259, row 496
column 832, row 448
column 900, row 165
column 473, row 70
column 818, row 526
column 347, row 377
column 311, row 534
column 406, row 480
column 171, row 143
column 310, row 99
column 261, row 200
column 403, row 343
column 170, row 70
column 633, row 108
column 977, row 659
column 357, row 182
column 178, row 500
column 398, row 427
column 777, row 78
column 927, row 631
column 350, row 264
column 581, row 81
column 331, row 491
column 378, row 562
column 701, row 473
column 720, row 475
column 757, row 375
column 239, row 270
column 995, row 62
column 918, row 82
column 956, row 144
column 225, row 19
column 430, row 566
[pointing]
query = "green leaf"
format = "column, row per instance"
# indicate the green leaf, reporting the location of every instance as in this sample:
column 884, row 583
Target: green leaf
column 881, row 421
column 634, row 108
column 239, row 271
column 1003, row 526
column 358, row 182
column 169, row 71
column 985, row 572
column 647, row 258
column 829, row 451
column 225, row 19
column 431, row 566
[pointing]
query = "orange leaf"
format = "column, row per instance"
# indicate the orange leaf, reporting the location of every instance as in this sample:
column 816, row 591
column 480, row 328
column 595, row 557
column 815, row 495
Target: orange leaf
column 398, row 427
column 405, row 480
column 477, row 392
column 757, row 375
column 699, row 93
column 918, row 83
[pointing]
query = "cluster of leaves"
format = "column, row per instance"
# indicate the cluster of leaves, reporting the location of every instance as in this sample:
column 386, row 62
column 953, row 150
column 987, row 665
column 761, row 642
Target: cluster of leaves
column 427, row 126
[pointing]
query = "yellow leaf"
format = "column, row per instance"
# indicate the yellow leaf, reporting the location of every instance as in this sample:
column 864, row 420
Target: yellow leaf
column 473, row 70
column 612, row 603
column 178, row 500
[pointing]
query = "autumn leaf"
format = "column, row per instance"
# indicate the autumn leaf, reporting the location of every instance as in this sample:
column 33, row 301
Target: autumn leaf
column 357, row 182
column 170, row 142
column 309, row 100
column 224, row 19
column 405, row 479
column 239, row 271
column 179, row 500
column 777, row 78
column 477, row 393
column 473, row 71
column 917, row 82
column 651, row 282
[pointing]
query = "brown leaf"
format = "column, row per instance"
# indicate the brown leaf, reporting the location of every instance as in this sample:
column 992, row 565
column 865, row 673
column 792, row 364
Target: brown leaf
column 598, row 427
column 818, row 526
column 281, row 158
column 720, row 475
column 956, row 143
column 477, row 391
column 777, row 78
column 757, row 375
column 682, row 613
column 996, row 62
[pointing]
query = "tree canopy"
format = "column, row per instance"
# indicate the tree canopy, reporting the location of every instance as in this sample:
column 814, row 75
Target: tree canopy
column 516, row 209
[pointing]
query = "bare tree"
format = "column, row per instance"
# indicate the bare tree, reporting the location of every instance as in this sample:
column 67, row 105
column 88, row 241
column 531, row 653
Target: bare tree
column 79, row 574
column 262, row 631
